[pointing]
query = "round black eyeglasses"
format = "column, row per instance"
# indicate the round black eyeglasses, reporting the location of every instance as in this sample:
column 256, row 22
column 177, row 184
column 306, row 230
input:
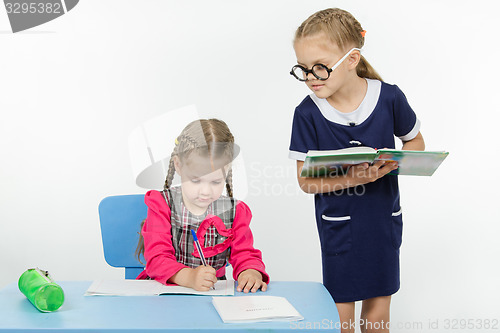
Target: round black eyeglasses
column 320, row 71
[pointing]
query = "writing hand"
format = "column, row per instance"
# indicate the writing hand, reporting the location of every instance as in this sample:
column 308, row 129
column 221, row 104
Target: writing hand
column 202, row 278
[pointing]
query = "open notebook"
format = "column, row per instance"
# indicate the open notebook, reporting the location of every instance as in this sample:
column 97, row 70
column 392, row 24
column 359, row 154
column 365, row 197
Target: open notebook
column 248, row 309
column 153, row 288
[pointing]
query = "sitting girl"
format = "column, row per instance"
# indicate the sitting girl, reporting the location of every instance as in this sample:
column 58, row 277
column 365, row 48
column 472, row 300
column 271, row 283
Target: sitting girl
column 202, row 158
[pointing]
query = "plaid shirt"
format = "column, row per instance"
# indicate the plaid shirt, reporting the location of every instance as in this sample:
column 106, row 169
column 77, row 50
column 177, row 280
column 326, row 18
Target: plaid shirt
column 182, row 221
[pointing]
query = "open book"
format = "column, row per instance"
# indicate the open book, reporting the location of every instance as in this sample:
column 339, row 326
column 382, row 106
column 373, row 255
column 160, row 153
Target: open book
column 153, row 288
column 247, row 309
column 320, row 163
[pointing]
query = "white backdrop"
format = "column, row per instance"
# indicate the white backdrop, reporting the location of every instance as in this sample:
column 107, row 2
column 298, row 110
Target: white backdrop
column 74, row 89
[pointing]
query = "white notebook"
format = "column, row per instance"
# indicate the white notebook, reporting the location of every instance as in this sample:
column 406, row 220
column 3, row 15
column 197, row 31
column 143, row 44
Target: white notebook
column 152, row 288
column 247, row 309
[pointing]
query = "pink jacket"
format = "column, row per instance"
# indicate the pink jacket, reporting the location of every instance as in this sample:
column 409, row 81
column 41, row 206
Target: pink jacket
column 161, row 263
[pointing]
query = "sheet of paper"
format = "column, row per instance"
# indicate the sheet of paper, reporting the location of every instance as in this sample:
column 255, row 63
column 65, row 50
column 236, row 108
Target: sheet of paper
column 152, row 288
column 246, row 309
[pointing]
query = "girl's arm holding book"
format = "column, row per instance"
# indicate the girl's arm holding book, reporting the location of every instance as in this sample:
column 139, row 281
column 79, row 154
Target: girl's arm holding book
column 357, row 175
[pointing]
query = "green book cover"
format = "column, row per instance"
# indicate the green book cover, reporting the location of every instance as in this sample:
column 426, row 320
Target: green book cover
column 336, row 162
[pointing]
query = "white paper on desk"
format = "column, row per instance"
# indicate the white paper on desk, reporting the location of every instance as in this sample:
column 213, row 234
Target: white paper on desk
column 153, row 288
column 246, row 309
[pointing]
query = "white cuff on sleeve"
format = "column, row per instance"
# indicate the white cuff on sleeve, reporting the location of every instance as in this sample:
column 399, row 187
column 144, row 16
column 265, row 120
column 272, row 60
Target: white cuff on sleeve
column 413, row 133
column 296, row 155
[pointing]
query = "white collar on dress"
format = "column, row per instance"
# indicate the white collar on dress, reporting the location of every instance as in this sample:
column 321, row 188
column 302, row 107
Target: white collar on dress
column 357, row 116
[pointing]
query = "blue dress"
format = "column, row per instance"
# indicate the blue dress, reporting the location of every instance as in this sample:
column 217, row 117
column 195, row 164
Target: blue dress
column 360, row 228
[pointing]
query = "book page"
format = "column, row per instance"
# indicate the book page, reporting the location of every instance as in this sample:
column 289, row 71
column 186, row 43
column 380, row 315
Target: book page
column 324, row 163
column 124, row 288
column 153, row 288
column 344, row 151
column 245, row 309
column 222, row 288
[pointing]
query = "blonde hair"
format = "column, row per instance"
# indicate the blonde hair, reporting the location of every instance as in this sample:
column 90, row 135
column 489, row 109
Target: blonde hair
column 343, row 29
column 207, row 138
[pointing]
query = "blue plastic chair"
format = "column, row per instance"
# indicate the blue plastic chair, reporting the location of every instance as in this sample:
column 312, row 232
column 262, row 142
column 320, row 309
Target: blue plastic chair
column 121, row 218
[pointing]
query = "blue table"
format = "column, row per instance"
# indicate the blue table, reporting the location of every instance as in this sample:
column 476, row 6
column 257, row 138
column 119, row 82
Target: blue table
column 169, row 313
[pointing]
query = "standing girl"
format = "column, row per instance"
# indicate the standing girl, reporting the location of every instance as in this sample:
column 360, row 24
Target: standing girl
column 358, row 214
column 202, row 157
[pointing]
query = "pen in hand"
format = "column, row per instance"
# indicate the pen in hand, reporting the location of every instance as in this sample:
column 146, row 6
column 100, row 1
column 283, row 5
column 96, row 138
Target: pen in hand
column 198, row 246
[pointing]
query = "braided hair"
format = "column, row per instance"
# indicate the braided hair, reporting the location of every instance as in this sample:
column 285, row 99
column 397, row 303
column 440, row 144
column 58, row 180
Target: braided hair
column 342, row 29
column 209, row 137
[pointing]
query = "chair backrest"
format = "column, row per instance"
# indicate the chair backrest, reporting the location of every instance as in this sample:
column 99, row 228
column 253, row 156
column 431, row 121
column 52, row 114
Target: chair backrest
column 121, row 217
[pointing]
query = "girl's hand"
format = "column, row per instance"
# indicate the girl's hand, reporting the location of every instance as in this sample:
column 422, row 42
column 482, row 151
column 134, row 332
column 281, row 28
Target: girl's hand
column 364, row 173
column 201, row 278
column 251, row 280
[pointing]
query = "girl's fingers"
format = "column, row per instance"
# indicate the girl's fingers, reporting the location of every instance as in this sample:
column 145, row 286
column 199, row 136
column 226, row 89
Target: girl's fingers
column 210, row 277
column 249, row 285
column 250, row 282
column 389, row 167
column 256, row 287
column 241, row 285
column 244, row 284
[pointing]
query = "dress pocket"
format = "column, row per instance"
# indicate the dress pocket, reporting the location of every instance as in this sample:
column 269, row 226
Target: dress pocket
column 397, row 229
column 336, row 234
